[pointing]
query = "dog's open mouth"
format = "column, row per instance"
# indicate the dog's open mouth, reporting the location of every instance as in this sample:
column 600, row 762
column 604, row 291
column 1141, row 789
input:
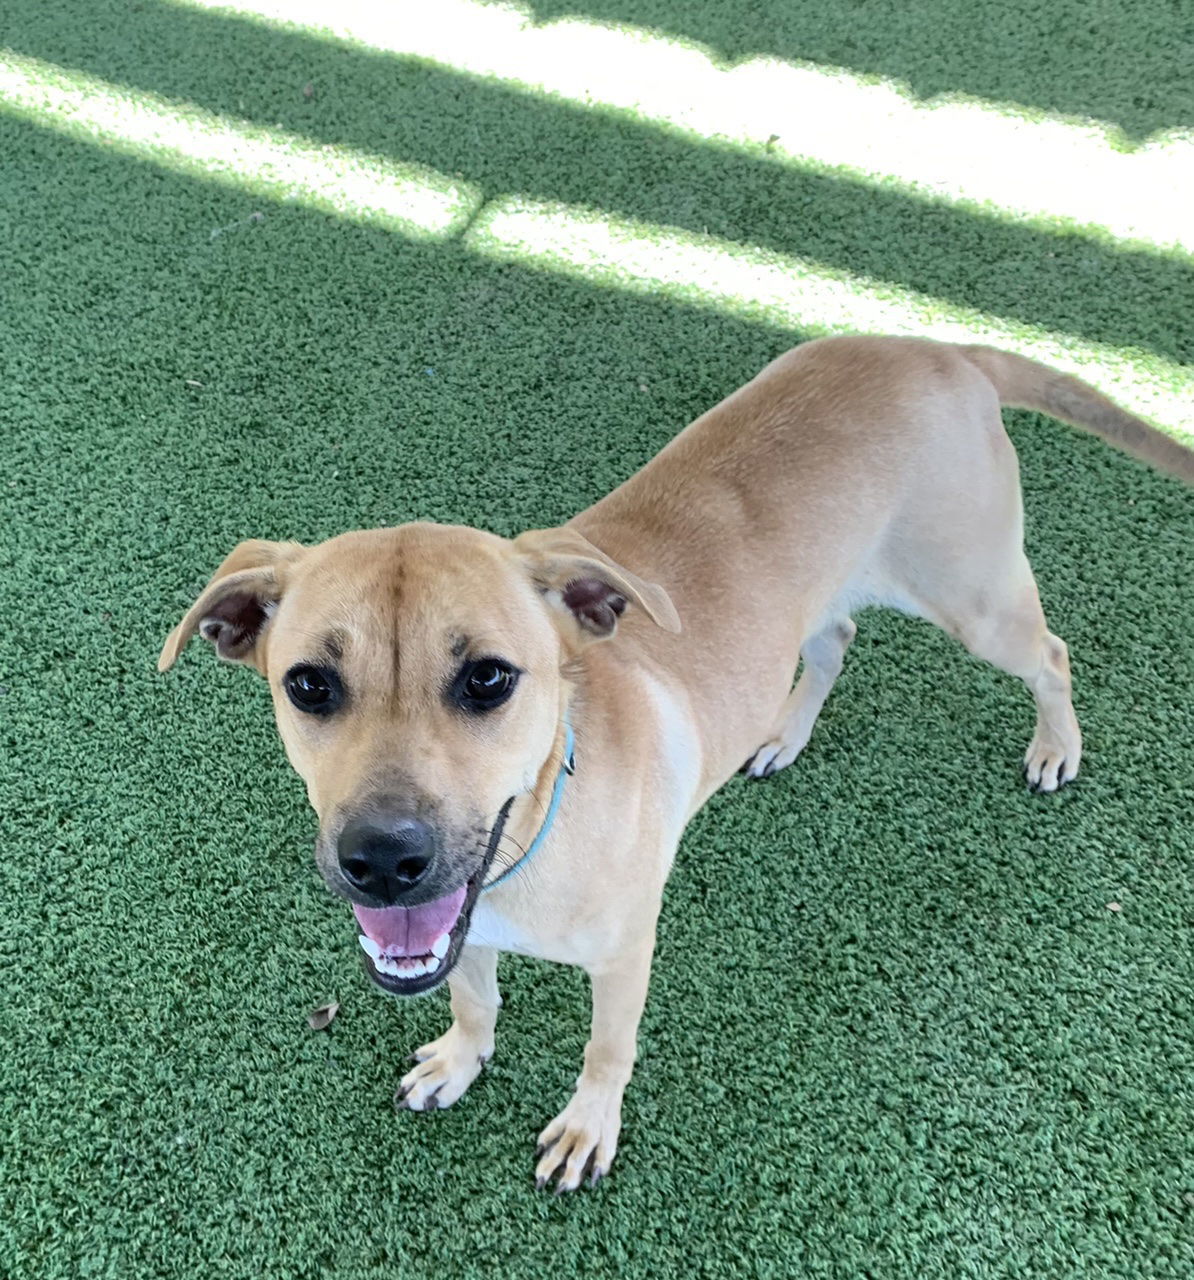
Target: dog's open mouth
column 409, row 950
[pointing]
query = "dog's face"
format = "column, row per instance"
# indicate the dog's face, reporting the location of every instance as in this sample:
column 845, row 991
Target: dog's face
column 419, row 679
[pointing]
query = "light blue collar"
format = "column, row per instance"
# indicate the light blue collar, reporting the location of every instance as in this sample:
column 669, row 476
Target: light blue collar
column 567, row 769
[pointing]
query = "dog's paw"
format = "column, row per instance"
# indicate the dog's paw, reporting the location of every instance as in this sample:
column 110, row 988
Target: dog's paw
column 1048, row 765
column 580, row 1142
column 773, row 756
column 444, row 1070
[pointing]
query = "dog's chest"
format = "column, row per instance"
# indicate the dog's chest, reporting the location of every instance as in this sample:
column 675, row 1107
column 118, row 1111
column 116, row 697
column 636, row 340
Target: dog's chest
column 489, row 928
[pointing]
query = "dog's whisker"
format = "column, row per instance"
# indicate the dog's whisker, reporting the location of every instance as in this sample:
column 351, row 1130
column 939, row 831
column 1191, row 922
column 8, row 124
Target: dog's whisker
column 506, row 838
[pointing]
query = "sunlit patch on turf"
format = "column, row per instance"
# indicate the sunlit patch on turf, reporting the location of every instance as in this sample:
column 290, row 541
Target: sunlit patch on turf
column 638, row 257
column 794, row 293
column 983, row 155
column 417, row 202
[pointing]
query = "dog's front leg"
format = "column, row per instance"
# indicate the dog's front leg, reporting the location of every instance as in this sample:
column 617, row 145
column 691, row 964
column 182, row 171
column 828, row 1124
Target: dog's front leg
column 447, row 1066
column 582, row 1139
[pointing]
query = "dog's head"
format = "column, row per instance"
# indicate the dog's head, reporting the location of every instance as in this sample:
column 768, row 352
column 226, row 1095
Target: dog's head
column 420, row 680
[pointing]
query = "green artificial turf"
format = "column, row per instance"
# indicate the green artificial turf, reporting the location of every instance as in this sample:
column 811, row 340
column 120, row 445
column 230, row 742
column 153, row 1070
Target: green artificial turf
column 895, row 1029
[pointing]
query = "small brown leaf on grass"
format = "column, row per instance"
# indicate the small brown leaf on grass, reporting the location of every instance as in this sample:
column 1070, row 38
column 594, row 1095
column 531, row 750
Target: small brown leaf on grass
column 308, row 91
column 322, row 1017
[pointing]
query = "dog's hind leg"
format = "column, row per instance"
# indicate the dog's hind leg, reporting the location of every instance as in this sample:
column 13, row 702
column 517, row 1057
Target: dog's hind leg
column 955, row 555
column 821, row 656
column 1008, row 630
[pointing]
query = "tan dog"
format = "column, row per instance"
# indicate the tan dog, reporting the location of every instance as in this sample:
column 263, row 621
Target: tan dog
column 427, row 679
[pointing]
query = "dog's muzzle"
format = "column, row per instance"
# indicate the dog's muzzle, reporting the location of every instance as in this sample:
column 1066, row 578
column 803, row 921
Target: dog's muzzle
column 409, row 950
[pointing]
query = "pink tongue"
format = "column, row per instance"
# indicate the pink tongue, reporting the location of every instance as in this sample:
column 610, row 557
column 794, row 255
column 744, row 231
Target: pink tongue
column 410, row 931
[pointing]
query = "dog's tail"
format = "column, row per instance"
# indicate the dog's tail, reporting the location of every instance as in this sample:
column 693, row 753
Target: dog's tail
column 1028, row 385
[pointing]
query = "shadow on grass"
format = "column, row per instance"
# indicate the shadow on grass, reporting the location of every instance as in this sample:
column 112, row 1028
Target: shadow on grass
column 1126, row 65
column 508, row 142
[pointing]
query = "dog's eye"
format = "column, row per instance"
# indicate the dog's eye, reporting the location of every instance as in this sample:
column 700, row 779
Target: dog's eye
column 312, row 689
column 486, row 683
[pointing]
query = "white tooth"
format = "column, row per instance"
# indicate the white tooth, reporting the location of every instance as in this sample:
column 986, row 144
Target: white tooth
column 417, row 970
column 439, row 948
column 369, row 947
column 385, row 965
column 431, row 964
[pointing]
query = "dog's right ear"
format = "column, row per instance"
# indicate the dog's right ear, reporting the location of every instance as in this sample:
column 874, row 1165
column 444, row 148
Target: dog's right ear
column 235, row 606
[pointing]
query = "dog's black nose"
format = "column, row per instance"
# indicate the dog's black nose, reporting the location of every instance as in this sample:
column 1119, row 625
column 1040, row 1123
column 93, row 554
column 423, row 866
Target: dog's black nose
column 385, row 858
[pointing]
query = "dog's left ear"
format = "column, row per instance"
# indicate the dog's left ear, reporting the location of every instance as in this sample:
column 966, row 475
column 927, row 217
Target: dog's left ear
column 235, row 606
column 583, row 582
